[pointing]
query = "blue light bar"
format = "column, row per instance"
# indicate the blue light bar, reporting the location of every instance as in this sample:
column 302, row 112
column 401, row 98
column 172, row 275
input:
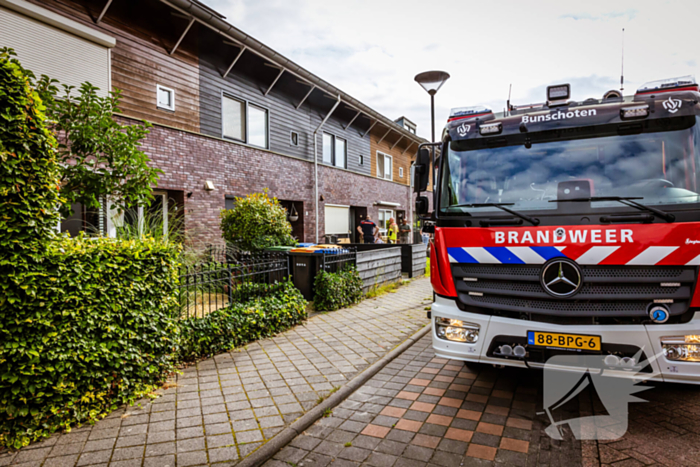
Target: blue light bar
column 468, row 112
column 671, row 84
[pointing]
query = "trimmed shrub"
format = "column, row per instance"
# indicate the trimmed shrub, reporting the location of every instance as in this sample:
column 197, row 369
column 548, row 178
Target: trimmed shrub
column 29, row 170
column 261, row 316
column 87, row 330
column 256, row 222
column 335, row 290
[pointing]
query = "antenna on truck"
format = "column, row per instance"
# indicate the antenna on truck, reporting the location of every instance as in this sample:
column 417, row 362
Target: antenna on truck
column 510, row 87
column 622, row 63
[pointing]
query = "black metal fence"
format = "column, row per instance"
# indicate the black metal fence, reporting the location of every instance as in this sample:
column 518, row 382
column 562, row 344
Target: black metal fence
column 224, row 275
column 334, row 262
column 212, row 285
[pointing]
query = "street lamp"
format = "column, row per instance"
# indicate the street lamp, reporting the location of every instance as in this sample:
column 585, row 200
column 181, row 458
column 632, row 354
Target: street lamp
column 432, row 81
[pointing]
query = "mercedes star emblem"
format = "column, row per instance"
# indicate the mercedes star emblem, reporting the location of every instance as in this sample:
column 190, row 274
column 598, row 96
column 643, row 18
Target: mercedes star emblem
column 561, row 278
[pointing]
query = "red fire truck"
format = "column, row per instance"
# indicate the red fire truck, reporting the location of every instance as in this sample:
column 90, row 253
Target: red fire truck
column 570, row 228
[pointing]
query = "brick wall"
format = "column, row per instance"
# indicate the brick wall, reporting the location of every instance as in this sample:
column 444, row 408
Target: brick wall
column 188, row 160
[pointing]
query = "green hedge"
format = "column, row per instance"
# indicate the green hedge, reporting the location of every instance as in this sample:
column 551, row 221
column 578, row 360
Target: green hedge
column 262, row 315
column 29, row 170
column 88, row 329
column 337, row 290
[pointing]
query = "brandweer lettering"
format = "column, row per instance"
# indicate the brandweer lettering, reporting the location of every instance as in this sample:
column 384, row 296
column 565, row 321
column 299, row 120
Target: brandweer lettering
column 561, row 236
column 558, row 115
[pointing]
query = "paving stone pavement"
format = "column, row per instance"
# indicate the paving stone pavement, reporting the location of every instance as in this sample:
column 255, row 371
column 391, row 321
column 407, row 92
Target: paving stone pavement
column 425, row 411
column 665, row 430
column 223, row 408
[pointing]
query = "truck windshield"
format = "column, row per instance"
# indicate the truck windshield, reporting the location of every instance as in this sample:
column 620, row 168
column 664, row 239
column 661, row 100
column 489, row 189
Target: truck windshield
column 658, row 168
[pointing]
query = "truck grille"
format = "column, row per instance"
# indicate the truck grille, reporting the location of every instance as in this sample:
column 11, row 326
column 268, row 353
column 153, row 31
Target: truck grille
column 607, row 291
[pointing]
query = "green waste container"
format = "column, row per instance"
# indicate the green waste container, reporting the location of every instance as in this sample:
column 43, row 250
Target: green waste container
column 279, row 248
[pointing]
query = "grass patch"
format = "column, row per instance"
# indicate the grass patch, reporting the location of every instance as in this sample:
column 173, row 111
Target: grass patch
column 379, row 290
column 327, row 413
column 348, row 444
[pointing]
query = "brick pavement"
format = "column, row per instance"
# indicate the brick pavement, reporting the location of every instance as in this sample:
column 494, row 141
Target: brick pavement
column 421, row 410
column 223, row 408
column 663, row 431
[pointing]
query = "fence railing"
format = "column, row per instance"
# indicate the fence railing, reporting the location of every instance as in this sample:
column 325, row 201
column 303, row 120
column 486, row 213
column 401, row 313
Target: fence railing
column 225, row 274
column 209, row 286
column 334, row 262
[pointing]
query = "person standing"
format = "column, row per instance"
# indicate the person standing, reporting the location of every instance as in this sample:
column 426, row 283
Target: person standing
column 404, row 232
column 368, row 229
column 392, row 231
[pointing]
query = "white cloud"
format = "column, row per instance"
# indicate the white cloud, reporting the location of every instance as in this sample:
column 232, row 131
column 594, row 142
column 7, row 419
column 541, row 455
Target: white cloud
column 373, row 49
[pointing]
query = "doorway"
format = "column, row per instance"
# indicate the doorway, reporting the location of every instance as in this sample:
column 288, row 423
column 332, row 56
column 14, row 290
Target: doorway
column 295, row 216
column 357, row 215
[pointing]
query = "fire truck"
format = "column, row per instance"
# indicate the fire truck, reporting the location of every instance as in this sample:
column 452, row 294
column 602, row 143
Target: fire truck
column 569, row 228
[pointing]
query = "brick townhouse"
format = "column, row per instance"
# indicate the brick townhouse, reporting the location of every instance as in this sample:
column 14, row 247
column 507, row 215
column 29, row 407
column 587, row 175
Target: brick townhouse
column 230, row 115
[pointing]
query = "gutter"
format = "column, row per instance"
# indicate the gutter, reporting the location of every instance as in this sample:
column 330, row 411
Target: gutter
column 323, row 122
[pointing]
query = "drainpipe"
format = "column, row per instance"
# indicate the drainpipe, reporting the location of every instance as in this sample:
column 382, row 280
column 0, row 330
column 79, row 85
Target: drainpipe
column 337, row 103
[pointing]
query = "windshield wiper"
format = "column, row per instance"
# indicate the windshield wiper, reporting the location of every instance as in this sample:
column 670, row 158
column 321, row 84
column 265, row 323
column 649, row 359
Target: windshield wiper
column 627, row 201
column 501, row 206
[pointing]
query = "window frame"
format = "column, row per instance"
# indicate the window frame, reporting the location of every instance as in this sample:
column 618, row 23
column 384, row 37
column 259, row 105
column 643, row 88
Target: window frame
column 381, row 211
column 160, row 88
column 332, row 162
column 400, row 172
column 247, row 105
column 391, row 172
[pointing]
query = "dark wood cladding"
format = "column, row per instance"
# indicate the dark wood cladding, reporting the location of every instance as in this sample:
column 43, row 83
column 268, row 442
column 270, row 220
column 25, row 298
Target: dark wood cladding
column 284, row 117
column 140, row 61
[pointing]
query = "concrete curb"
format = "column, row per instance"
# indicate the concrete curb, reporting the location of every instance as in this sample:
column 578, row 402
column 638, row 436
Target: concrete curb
column 284, row 437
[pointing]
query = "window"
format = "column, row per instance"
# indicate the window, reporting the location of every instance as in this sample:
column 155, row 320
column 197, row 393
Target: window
column 245, row 122
column 401, row 172
column 327, row 148
column 361, row 160
column 383, row 219
column 341, row 150
column 233, row 115
column 384, row 169
column 257, row 126
column 335, row 151
column 294, row 138
column 165, row 97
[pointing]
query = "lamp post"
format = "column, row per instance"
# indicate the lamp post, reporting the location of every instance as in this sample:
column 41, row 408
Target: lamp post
column 432, row 81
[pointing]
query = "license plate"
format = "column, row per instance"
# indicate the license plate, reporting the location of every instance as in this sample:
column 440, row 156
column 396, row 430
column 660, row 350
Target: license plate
column 563, row 341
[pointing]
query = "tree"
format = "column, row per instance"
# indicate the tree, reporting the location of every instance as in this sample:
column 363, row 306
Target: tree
column 100, row 157
column 256, row 222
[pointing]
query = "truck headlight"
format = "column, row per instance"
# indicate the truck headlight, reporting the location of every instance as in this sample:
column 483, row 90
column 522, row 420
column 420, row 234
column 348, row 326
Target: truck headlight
column 682, row 348
column 456, row 331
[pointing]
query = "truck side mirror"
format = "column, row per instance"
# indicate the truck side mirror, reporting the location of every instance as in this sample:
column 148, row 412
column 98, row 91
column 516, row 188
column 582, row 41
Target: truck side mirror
column 422, row 205
column 422, row 171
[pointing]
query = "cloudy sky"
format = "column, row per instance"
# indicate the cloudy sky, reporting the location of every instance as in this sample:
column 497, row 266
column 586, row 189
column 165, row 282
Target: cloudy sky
column 372, row 49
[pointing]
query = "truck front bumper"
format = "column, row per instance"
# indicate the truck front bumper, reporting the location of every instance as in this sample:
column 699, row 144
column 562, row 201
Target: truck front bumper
column 645, row 337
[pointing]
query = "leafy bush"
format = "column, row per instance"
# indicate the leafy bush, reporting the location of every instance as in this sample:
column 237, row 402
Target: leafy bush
column 29, row 170
column 85, row 324
column 256, row 222
column 89, row 329
column 337, row 290
column 262, row 316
